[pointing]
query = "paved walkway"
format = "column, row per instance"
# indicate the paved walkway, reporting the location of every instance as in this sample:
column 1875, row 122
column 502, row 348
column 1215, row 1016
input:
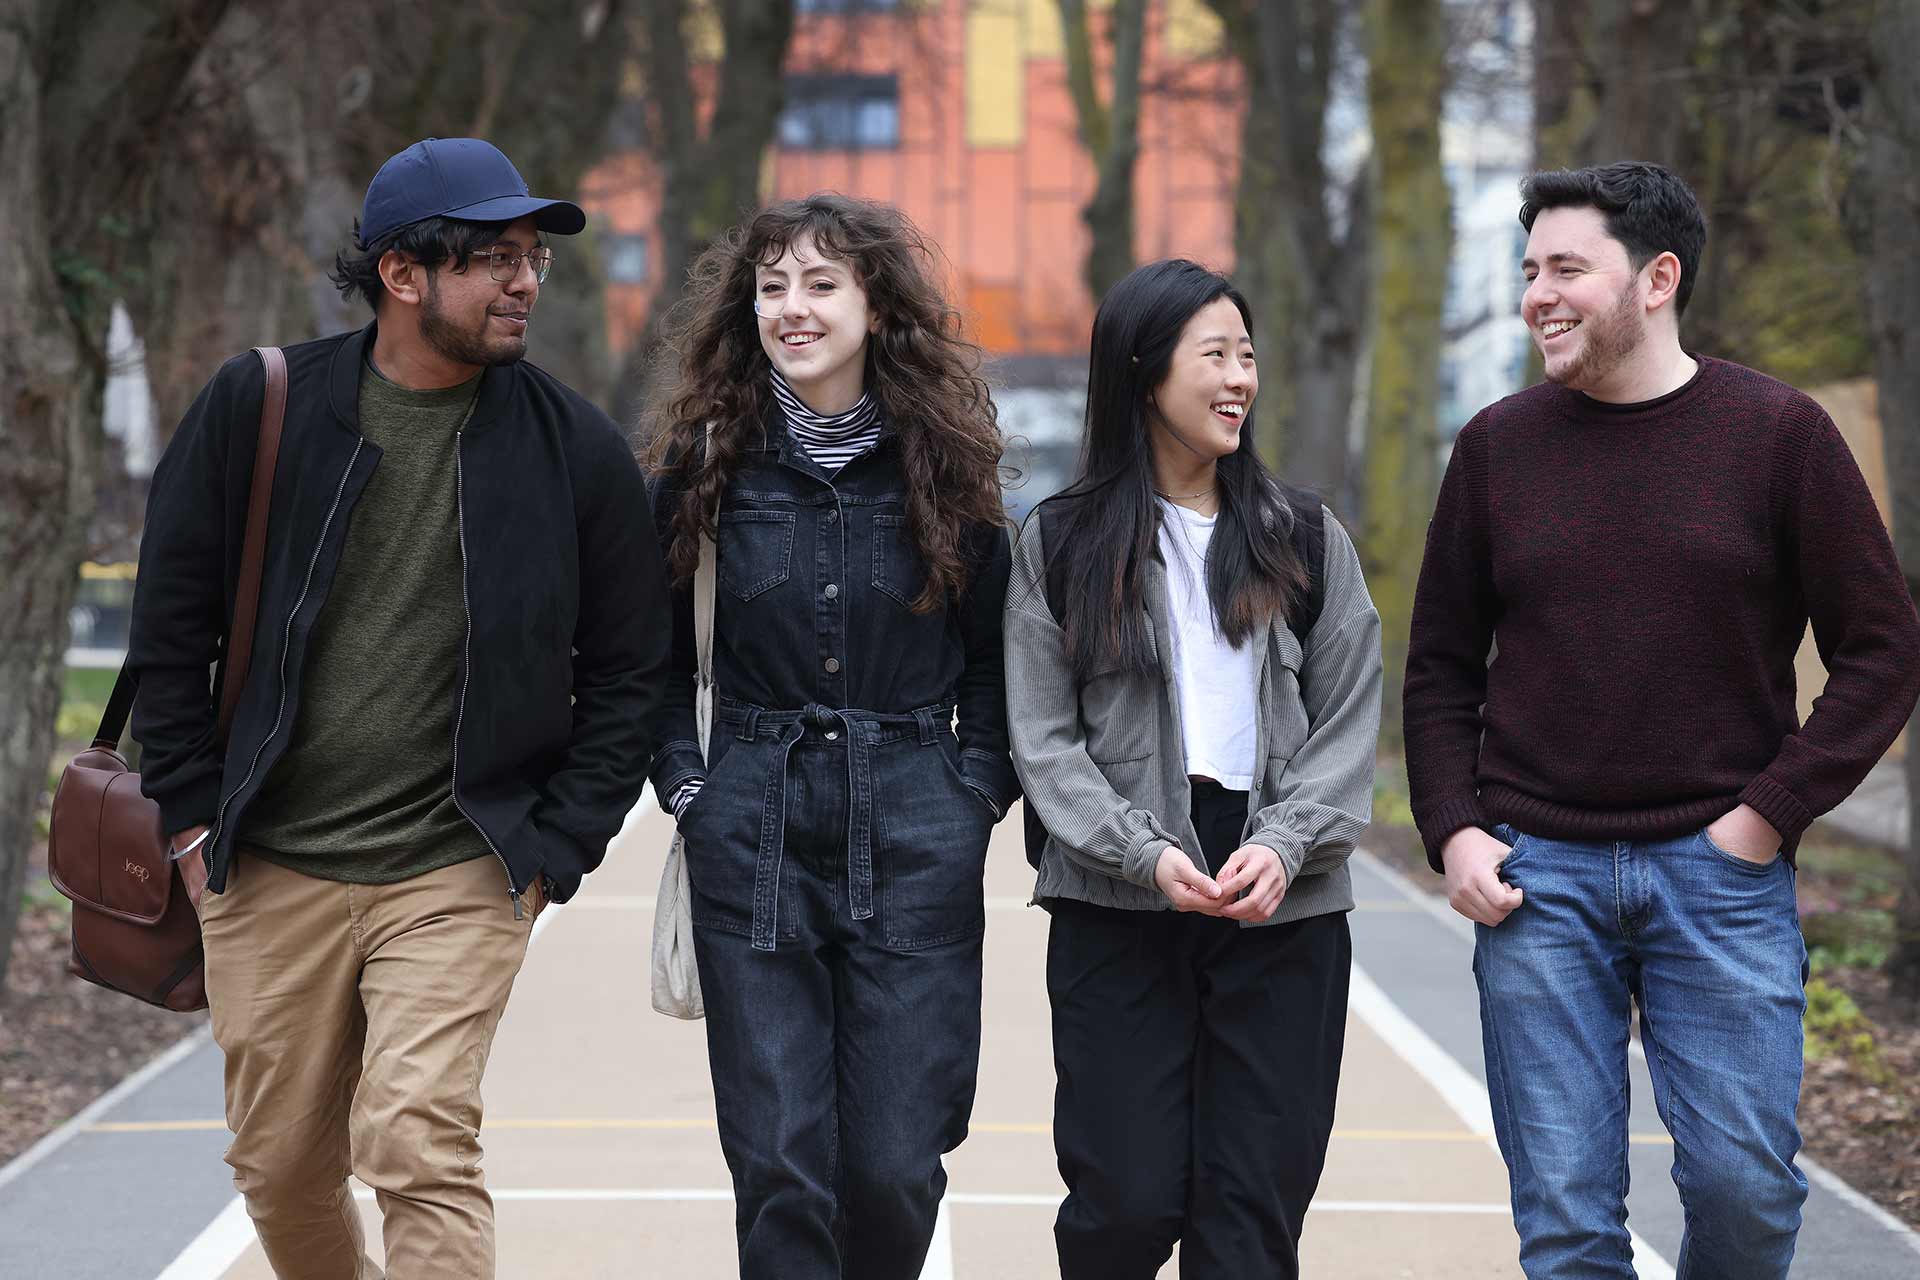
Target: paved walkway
column 603, row 1160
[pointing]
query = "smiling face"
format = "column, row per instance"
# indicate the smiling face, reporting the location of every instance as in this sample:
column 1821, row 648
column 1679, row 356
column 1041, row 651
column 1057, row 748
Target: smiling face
column 1585, row 305
column 472, row 319
column 814, row 324
column 1202, row 403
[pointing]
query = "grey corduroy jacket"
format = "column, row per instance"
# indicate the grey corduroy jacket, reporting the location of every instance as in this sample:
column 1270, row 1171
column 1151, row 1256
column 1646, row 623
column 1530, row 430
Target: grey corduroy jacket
column 1104, row 766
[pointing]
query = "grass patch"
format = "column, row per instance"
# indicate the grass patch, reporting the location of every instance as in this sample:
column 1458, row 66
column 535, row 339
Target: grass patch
column 83, row 700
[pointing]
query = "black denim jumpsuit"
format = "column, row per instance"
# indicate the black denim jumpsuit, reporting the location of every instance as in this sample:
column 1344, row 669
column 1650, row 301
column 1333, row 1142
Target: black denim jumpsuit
column 837, row 853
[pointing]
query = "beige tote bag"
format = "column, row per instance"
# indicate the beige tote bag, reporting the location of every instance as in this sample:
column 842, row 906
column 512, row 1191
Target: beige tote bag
column 676, row 979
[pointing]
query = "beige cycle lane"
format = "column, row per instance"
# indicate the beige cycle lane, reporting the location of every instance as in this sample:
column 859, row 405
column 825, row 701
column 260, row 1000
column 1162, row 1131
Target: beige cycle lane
column 604, row 1162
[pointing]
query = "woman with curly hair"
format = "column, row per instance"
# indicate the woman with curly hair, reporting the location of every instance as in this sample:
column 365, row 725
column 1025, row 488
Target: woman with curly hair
column 825, row 425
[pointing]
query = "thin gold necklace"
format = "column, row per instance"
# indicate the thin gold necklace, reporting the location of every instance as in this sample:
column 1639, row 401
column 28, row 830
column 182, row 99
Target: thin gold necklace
column 1176, row 497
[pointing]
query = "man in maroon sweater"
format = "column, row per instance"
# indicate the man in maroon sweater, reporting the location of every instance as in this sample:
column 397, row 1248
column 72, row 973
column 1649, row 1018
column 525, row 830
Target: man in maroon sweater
column 1615, row 798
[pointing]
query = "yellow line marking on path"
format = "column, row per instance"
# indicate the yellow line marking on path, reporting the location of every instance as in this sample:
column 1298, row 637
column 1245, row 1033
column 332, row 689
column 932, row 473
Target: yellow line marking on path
column 985, row 1126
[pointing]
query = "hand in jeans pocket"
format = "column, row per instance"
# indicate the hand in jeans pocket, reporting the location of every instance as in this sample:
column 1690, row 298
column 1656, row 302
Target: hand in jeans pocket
column 1474, row 887
column 1744, row 834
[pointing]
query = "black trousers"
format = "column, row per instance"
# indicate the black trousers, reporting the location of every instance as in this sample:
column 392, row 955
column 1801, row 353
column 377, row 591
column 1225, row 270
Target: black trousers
column 1196, row 1065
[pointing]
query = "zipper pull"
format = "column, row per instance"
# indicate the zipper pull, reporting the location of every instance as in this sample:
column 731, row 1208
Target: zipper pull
column 518, row 913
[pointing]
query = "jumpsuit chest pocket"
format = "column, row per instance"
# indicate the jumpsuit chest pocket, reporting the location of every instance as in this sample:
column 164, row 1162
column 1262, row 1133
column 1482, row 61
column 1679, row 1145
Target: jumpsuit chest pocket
column 898, row 571
column 755, row 551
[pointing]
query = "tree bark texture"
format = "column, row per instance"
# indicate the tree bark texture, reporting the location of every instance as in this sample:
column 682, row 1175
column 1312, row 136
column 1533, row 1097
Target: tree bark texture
column 1109, row 130
column 1412, row 239
column 709, row 162
column 1304, row 276
column 1745, row 100
column 1892, row 174
column 85, row 94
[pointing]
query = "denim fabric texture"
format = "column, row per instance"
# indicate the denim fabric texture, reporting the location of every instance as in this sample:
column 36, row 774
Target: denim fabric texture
column 1708, row 945
column 836, row 851
column 817, row 577
column 844, row 1060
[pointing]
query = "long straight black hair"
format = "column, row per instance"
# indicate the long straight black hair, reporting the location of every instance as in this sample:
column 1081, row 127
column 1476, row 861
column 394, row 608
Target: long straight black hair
column 1108, row 520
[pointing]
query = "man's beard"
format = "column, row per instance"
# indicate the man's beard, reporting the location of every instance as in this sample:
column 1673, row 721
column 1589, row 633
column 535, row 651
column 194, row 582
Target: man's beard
column 465, row 346
column 1609, row 340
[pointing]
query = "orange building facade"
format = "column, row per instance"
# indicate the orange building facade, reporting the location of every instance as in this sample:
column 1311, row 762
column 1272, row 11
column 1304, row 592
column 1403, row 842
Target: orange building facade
column 958, row 111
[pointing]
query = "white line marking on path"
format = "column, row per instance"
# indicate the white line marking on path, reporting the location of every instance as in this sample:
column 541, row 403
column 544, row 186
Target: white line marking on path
column 1460, row 1088
column 106, row 1102
column 217, row 1248
column 1819, row 1173
column 647, row 902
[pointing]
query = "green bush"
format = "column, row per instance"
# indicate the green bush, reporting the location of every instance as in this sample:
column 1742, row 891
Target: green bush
column 1836, row 1027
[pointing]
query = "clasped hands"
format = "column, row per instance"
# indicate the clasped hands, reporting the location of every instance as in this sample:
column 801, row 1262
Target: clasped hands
column 1253, row 868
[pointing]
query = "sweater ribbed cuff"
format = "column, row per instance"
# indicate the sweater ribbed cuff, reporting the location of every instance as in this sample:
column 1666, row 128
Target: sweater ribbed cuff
column 1438, row 823
column 1778, row 806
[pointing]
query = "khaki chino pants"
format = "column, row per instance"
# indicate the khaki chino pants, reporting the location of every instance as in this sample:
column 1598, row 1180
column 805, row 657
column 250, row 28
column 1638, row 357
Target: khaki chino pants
column 356, row 1022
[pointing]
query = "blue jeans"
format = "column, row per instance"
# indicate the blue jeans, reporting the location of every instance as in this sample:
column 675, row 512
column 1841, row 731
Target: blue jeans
column 1708, row 945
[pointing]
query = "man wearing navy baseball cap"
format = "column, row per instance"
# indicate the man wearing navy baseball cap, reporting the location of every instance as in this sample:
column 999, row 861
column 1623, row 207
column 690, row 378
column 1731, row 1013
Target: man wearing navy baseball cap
column 458, row 651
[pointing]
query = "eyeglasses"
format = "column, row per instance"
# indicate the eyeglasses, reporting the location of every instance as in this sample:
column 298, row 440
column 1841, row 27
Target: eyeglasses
column 504, row 264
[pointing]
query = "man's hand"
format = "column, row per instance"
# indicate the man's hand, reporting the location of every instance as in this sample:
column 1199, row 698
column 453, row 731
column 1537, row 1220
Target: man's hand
column 1474, row 888
column 1746, row 835
column 193, row 867
column 1257, row 869
column 1186, row 886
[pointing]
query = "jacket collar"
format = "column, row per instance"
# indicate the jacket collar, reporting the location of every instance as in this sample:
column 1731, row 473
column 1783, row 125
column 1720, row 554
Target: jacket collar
column 343, row 384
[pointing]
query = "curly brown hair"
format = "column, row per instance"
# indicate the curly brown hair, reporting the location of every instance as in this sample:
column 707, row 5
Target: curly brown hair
column 924, row 374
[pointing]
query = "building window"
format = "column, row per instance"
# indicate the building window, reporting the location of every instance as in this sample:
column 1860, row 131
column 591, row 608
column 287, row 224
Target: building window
column 627, row 259
column 841, row 113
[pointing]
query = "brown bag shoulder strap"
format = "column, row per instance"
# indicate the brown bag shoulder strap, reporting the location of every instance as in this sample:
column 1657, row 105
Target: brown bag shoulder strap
column 253, row 552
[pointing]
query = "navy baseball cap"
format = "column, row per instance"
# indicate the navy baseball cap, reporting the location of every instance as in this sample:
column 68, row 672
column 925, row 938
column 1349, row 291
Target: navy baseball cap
column 465, row 178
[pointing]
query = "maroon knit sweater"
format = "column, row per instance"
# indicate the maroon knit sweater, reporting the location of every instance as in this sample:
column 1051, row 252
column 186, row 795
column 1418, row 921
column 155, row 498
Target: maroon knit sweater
column 1648, row 572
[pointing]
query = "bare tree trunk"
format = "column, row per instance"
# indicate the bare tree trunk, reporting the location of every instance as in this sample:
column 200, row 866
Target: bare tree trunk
column 710, row 176
column 1892, row 172
column 1305, row 279
column 71, row 148
column 1110, row 133
column 1412, row 232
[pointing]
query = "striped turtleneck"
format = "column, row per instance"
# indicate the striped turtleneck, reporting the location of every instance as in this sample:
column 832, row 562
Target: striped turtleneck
column 832, row 440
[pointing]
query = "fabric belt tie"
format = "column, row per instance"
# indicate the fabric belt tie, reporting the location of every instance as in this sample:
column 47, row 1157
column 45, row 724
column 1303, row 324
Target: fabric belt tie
column 863, row 729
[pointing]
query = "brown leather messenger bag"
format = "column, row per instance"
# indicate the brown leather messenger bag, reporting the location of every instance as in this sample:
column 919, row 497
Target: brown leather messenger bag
column 136, row 928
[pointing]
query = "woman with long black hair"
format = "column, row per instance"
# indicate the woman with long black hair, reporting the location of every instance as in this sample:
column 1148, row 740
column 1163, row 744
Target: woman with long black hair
column 827, row 429
column 1194, row 666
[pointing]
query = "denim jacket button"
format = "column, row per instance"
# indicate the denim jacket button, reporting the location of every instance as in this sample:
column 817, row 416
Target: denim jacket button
column 833, row 665
column 833, row 735
column 833, row 514
column 833, row 591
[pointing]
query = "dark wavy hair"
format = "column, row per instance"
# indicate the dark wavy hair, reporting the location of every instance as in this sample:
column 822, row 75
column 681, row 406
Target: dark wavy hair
column 923, row 374
column 1108, row 517
column 1648, row 209
column 430, row 242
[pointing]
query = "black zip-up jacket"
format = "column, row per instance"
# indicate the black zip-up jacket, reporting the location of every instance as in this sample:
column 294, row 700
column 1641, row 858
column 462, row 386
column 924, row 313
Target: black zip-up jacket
column 565, row 659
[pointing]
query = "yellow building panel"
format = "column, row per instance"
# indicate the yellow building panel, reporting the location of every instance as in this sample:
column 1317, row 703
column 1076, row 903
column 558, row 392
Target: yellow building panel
column 996, row 77
column 1194, row 30
column 706, row 39
column 1043, row 30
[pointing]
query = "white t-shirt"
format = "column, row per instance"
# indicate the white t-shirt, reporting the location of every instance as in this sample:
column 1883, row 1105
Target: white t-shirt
column 1214, row 679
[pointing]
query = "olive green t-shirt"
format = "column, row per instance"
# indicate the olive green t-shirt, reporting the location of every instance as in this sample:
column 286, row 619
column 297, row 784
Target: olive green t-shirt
column 364, row 792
